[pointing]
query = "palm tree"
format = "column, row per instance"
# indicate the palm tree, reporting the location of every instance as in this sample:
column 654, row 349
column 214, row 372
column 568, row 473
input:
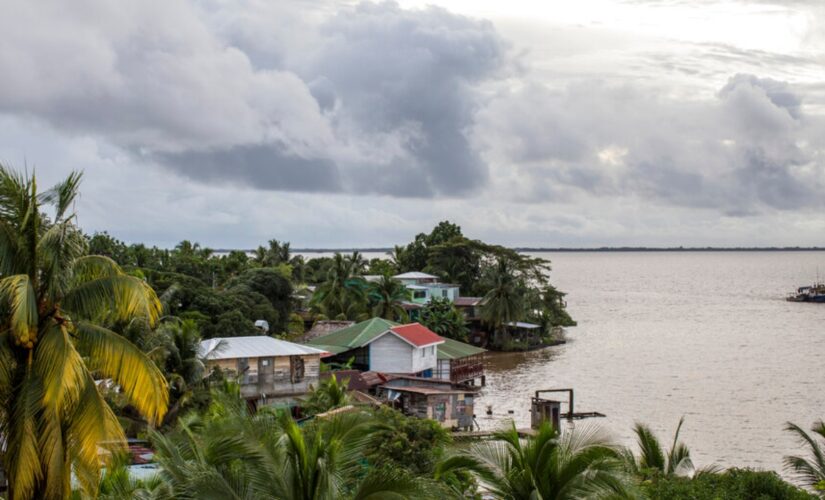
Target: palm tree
column 504, row 302
column 652, row 458
column 328, row 395
column 809, row 470
column 53, row 301
column 184, row 365
column 342, row 295
column 233, row 454
column 581, row 463
column 387, row 295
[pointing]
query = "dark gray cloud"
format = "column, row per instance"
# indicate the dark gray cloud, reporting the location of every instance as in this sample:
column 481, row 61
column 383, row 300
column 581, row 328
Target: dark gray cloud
column 264, row 166
column 370, row 99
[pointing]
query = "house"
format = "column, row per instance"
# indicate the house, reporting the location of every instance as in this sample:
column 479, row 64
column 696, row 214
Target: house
column 269, row 370
column 384, row 346
column 424, row 287
column 523, row 333
column 449, row 404
column 460, row 363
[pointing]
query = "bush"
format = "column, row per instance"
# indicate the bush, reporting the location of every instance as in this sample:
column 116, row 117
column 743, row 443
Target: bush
column 733, row 484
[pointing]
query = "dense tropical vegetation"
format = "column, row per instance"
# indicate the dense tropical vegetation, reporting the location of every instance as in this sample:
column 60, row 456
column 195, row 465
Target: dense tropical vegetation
column 100, row 340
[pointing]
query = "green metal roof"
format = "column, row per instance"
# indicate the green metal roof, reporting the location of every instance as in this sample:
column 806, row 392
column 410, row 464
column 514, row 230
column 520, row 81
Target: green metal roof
column 453, row 349
column 353, row 337
column 332, row 349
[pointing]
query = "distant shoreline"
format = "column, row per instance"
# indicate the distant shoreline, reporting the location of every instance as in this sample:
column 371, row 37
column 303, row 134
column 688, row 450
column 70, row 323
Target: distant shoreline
column 572, row 250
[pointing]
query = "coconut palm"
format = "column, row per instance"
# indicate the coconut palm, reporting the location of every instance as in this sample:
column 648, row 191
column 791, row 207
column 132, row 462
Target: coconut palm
column 580, row 463
column 234, row 454
column 342, row 295
column 809, row 470
column 53, row 301
column 387, row 295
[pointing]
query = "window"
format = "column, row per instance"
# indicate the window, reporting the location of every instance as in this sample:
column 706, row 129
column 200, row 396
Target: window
column 422, row 352
column 443, row 293
column 420, row 294
column 296, row 369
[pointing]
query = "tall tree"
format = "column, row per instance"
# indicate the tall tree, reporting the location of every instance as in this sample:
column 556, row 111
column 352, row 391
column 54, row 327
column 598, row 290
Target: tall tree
column 386, row 296
column 442, row 317
column 343, row 294
column 503, row 303
column 53, row 301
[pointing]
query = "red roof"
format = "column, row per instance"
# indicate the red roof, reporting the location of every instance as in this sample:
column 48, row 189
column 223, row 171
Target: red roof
column 417, row 334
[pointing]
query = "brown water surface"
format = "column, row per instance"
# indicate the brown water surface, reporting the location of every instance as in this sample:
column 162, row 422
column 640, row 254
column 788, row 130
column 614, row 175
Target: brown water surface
column 706, row 335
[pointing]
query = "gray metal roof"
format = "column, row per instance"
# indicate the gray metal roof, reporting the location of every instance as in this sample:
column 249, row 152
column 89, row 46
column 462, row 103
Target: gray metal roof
column 414, row 275
column 259, row 346
column 521, row 324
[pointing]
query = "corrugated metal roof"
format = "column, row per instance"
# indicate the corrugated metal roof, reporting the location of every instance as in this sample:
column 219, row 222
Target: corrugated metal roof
column 414, row 275
column 468, row 301
column 453, row 349
column 354, row 336
column 417, row 334
column 253, row 347
column 521, row 324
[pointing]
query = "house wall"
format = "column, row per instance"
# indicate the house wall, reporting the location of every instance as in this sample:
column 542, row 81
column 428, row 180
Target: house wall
column 391, row 354
column 424, row 358
column 443, row 370
column 274, row 382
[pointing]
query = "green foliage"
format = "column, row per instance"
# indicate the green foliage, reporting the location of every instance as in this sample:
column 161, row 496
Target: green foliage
column 230, row 453
column 581, row 463
column 328, row 395
column 809, row 470
column 407, row 442
column 442, row 317
column 343, row 294
column 733, row 484
column 55, row 305
column 386, row 296
column 652, row 458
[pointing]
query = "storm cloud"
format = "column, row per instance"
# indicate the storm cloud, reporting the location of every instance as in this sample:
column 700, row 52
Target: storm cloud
column 378, row 102
column 365, row 123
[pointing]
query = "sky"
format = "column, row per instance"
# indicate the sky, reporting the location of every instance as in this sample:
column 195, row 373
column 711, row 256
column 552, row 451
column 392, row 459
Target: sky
column 360, row 124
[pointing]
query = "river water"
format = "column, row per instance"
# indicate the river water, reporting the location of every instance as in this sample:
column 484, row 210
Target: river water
column 704, row 335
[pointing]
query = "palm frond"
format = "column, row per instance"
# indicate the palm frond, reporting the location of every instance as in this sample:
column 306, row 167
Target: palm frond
column 10, row 261
column 811, row 469
column 18, row 293
column 394, row 484
column 21, row 458
column 63, row 194
column 60, row 367
column 138, row 377
column 652, row 456
column 91, row 426
column 117, row 297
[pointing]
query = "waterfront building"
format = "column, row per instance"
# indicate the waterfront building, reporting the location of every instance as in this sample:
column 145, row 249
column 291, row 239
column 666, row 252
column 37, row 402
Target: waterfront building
column 270, row 371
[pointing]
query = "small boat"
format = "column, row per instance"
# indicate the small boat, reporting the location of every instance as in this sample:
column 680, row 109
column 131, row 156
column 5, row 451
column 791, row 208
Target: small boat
column 813, row 293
